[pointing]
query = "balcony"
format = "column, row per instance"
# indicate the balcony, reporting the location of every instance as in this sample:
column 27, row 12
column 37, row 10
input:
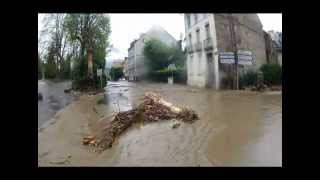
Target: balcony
column 198, row 46
column 208, row 44
column 190, row 49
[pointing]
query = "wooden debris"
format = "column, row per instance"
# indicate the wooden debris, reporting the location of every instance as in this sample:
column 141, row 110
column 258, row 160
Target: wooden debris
column 152, row 109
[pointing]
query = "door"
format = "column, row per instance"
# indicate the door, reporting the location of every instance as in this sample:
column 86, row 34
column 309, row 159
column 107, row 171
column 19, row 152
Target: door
column 210, row 70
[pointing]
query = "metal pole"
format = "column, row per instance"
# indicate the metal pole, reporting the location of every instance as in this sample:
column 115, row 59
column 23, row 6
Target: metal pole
column 101, row 81
column 235, row 49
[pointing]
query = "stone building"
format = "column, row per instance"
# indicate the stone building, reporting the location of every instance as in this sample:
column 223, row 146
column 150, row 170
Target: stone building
column 209, row 34
column 271, row 50
column 276, row 40
column 136, row 61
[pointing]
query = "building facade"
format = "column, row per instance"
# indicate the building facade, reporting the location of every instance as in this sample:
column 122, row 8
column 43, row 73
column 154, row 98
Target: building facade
column 209, row 34
column 125, row 68
column 276, row 38
column 136, row 61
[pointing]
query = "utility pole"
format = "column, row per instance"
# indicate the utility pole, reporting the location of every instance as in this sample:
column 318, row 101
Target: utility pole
column 235, row 50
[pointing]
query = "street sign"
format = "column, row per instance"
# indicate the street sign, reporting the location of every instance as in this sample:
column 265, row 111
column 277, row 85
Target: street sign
column 172, row 67
column 99, row 72
column 226, row 57
column 245, row 57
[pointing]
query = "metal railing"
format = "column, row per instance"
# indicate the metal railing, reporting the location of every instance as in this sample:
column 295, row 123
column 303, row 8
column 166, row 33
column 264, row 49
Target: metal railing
column 208, row 44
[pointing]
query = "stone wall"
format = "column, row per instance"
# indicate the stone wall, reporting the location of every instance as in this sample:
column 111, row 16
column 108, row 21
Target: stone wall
column 271, row 52
column 249, row 36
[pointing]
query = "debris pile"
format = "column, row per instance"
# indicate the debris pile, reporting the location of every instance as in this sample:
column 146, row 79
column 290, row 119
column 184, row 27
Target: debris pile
column 152, row 109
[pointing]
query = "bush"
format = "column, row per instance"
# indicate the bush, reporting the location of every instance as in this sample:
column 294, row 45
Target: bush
column 159, row 55
column 39, row 68
column 180, row 75
column 248, row 79
column 272, row 74
column 39, row 75
column 116, row 73
column 50, row 71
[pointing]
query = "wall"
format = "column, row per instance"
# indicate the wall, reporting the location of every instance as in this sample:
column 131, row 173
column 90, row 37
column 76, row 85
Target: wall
column 271, row 52
column 249, row 36
column 197, row 64
column 280, row 58
column 131, row 63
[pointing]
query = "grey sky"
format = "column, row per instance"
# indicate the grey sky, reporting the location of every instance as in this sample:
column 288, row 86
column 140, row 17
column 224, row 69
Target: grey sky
column 126, row 27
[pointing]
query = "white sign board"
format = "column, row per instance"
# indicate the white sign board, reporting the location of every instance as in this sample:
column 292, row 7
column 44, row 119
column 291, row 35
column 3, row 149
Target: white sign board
column 226, row 57
column 172, row 67
column 245, row 58
column 99, row 72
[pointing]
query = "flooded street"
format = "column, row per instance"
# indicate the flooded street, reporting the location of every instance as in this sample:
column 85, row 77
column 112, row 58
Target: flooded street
column 236, row 128
column 54, row 99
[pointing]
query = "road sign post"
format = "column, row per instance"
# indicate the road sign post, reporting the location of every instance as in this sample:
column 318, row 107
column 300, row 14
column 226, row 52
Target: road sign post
column 171, row 68
column 99, row 74
column 240, row 57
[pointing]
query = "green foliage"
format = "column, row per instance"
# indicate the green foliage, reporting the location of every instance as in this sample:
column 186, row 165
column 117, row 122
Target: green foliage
column 179, row 74
column 39, row 68
column 248, row 79
column 272, row 74
column 89, row 31
column 159, row 55
column 65, row 70
column 116, row 73
column 50, row 68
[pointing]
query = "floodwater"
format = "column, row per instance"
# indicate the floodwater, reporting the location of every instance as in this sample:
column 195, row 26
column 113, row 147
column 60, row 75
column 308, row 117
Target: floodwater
column 236, row 128
column 53, row 100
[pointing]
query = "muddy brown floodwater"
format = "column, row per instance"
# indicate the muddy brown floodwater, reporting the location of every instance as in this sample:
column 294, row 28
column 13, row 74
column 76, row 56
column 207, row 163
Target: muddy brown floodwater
column 236, row 128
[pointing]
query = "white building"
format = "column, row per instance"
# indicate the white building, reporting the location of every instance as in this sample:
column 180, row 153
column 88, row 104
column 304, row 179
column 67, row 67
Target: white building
column 209, row 34
column 136, row 60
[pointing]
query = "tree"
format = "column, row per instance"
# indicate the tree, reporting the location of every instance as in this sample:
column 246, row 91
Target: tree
column 88, row 31
column 50, row 65
column 116, row 73
column 55, row 33
column 39, row 67
column 159, row 56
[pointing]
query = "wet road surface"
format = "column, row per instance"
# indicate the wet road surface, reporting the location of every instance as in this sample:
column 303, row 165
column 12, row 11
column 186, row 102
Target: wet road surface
column 53, row 100
column 236, row 128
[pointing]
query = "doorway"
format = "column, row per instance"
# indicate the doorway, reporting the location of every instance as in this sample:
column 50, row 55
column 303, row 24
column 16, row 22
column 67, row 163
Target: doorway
column 210, row 70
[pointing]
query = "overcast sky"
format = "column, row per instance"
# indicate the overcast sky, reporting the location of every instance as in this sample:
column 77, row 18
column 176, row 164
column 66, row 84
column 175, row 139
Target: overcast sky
column 127, row 27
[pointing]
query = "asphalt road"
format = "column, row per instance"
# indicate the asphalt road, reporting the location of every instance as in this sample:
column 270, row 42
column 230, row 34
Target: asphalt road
column 53, row 100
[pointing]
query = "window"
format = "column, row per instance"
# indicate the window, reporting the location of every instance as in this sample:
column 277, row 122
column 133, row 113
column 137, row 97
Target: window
column 190, row 40
column 207, row 27
column 198, row 35
column 188, row 20
column 195, row 18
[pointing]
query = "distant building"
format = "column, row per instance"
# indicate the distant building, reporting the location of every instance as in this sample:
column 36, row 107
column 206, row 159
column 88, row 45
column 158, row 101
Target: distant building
column 117, row 63
column 276, row 39
column 125, row 68
column 136, row 60
column 209, row 34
